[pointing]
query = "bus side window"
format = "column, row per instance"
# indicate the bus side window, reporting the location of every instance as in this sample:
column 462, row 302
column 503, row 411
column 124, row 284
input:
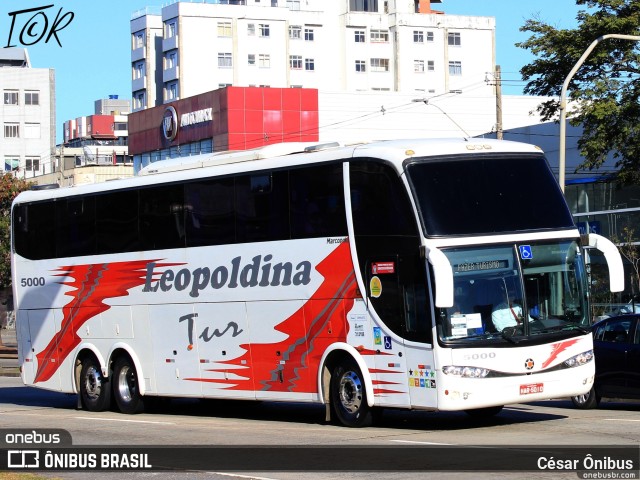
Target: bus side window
column 262, row 207
column 317, row 202
column 162, row 217
column 209, row 212
column 117, row 222
column 32, row 223
column 417, row 315
column 386, row 232
column 76, row 230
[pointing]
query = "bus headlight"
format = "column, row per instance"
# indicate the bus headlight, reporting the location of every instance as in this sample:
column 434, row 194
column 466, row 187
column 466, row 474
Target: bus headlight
column 580, row 359
column 466, row 372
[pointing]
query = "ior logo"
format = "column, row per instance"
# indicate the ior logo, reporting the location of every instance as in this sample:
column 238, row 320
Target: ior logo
column 170, row 123
column 529, row 363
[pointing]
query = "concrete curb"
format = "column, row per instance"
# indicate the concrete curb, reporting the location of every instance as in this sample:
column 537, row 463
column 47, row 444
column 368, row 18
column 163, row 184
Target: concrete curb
column 9, row 372
column 9, row 354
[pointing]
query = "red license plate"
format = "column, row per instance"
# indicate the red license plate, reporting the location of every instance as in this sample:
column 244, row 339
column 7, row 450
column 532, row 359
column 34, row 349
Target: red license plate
column 531, row 388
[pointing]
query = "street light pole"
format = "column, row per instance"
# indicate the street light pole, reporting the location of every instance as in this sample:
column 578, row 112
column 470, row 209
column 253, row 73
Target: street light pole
column 563, row 99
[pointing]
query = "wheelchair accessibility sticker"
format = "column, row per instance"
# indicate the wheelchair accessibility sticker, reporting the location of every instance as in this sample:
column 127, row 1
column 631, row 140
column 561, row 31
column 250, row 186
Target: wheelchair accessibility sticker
column 525, row 252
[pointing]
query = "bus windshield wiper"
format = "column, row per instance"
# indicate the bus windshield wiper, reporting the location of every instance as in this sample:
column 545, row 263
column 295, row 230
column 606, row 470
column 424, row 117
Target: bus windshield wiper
column 574, row 326
column 508, row 334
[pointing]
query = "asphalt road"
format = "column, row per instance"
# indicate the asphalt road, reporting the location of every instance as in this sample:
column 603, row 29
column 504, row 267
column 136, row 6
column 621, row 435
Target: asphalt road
column 219, row 423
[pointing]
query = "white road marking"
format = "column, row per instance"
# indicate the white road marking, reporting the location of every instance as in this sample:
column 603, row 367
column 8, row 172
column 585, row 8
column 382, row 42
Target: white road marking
column 421, row 443
column 124, row 420
column 235, row 475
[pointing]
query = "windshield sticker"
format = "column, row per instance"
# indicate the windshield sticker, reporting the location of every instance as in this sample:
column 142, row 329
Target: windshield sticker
column 381, row 268
column 463, row 325
column 375, row 286
column 525, row 252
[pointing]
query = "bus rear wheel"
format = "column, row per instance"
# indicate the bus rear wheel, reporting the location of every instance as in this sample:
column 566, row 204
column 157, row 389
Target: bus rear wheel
column 348, row 395
column 94, row 388
column 126, row 389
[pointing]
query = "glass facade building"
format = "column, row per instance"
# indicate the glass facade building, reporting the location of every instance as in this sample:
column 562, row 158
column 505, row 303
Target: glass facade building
column 604, row 206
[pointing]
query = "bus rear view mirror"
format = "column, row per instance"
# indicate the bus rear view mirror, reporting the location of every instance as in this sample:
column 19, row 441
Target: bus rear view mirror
column 443, row 275
column 614, row 260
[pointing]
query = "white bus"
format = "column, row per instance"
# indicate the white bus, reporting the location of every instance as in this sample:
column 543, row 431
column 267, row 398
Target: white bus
column 413, row 274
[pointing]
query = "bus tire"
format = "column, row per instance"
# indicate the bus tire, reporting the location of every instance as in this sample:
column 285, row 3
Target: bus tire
column 485, row 412
column 348, row 395
column 126, row 390
column 95, row 391
column 587, row 400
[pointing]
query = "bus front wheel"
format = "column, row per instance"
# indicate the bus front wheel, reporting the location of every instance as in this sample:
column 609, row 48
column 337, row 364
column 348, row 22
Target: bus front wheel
column 126, row 389
column 348, row 395
column 587, row 400
column 94, row 388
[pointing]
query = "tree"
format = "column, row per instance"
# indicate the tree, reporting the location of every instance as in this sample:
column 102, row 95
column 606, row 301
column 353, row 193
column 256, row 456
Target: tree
column 605, row 91
column 10, row 187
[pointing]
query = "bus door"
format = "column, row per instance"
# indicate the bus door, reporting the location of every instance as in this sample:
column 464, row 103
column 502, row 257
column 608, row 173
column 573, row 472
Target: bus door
column 384, row 297
column 38, row 335
column 404, row 354
column 223, row 337
column 174, row 330
column 417, row 332
column 194, row 348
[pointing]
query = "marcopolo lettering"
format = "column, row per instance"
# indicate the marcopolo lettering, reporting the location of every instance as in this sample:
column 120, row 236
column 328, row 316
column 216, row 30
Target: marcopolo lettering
column 260, row 272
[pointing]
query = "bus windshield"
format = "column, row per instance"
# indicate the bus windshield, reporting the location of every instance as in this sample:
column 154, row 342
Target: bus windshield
column 508, row 292
column 490, row 197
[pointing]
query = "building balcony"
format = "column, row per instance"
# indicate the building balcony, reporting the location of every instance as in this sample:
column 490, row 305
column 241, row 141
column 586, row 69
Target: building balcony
column 137, row 54
column 170, row 43
column 170, row 74
column 139, row 84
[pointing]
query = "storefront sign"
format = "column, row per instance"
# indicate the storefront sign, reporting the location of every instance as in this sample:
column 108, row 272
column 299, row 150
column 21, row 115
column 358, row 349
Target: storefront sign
column 199, row 116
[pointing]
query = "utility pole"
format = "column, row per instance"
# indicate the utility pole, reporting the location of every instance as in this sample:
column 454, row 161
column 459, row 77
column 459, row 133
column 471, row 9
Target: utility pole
column 498, row 76
column 563, row 100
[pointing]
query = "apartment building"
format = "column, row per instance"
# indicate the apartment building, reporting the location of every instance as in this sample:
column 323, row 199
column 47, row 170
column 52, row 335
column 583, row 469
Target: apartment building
column 188, row 48
column 27, row 144
column 95, row 147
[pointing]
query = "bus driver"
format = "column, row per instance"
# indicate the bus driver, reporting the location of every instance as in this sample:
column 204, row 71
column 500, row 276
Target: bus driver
column 506, row 313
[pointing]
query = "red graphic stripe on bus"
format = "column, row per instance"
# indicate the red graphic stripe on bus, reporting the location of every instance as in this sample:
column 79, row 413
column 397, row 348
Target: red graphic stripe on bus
column 557, row 349
column 383, row 391
column 383, row 382
column 291, row 365
column 91, row 285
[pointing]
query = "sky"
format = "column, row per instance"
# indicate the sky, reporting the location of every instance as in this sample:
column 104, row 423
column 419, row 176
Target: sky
column 91, row 50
